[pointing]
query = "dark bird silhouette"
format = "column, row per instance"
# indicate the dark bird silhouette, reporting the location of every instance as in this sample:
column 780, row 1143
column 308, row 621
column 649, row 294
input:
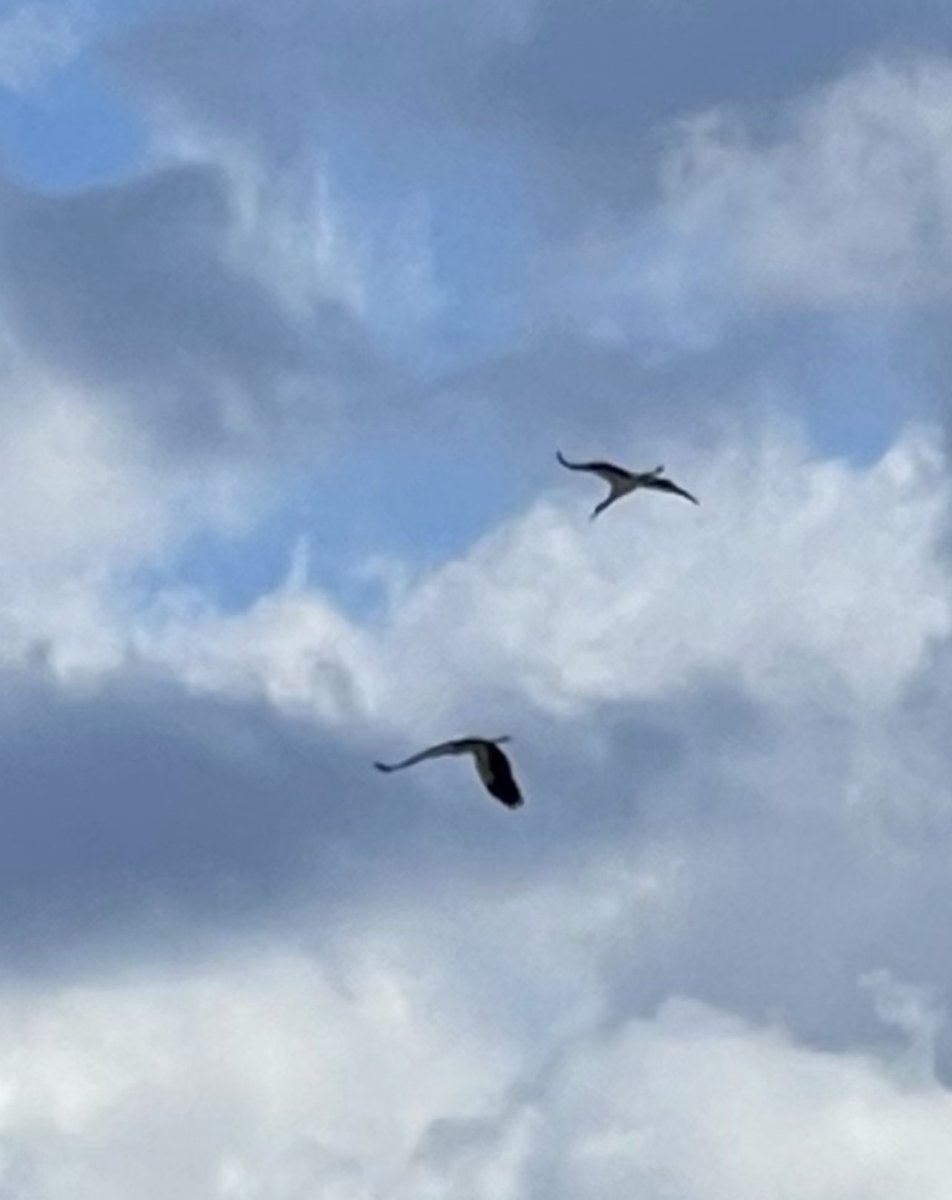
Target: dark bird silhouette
column 492, row 765
column 621, row 482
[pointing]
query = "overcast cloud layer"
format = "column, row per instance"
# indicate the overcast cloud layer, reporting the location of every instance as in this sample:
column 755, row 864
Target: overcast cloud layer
column 280, row 398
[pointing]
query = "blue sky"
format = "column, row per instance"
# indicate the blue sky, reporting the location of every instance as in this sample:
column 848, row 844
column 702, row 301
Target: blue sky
column 63, row 124
column 76, row 133
column 297, row 301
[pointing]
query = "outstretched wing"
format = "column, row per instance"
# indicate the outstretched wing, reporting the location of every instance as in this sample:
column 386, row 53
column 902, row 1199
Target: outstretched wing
column 665, row 485
column 607, row 471
column 496, row 773
column 454, row 747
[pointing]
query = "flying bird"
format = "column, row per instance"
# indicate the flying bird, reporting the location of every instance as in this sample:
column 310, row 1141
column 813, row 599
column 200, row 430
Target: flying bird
column 492, row 765
column 622, row 482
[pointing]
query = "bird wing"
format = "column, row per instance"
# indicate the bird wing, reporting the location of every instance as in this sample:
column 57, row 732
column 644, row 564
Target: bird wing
column 665, row 485
column 607, row 471
column 456, row 746
column 495, row 770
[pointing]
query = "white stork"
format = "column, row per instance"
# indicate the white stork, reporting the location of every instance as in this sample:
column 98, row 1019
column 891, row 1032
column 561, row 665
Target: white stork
column 622, row 482
column 494, row 768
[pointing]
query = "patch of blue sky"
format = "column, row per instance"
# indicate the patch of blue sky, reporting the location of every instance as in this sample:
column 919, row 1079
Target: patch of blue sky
column 74, row 132
column 483, row 237
column 73, row 127
column 669, row 291
column 231, row 572
column 857, row 399
column 415, row 504
column 466, row 214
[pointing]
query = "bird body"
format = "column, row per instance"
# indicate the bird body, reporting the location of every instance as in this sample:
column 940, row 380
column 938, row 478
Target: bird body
column 621, row 482
column 492, row 766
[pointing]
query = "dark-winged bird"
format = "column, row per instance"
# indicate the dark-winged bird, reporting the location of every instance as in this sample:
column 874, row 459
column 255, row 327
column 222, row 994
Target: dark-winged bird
column 493, row 766
column 622, row 482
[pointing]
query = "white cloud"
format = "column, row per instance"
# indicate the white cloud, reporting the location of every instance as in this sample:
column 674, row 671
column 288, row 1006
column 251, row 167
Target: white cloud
column 290, row 229
column 83, row 502
column 915, row 1011
column 291, row 646
column 796, row 577
column 768, row 580
column 849, row 203
column 695, row 1103
column 271, row 1077
column 218, row 1084
column 842, row 204
column 409, row 1069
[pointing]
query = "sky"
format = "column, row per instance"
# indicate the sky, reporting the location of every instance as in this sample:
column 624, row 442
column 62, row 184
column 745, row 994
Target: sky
column 298, row 298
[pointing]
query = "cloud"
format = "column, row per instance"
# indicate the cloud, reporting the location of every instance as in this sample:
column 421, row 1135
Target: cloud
column 782, row 749
column 299, row 60
column 611, row 677
column 37, row 39
column 243, row 1079
column 85, row 503
column 764, row 232
column 142, row 819
column 805, row 255
column 239, row 962
column 657, row 62
column 522, row 73
column 265, row 1078
column 697, row 1103
column 692, row 831
column 848, row 205
column 132, row 289
column 620, row 611
column 288, row 285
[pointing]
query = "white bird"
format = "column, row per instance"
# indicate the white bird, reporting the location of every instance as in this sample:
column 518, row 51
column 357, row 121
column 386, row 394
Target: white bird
column 494, row 768
column 622, row 482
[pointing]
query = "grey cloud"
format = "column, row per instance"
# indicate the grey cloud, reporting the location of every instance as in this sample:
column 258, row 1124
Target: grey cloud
column 130, row 288
column 142, row 808
column 582, row 383
column 582, row 89
column 792, row 892
column 407, row 89
column 139, row 805
column 791, row 902
column 597, row 78
column 140, row 801
column 787, row 900
column 280, row 76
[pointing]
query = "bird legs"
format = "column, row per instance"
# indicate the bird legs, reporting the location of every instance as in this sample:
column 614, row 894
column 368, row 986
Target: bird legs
column 615, row 494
